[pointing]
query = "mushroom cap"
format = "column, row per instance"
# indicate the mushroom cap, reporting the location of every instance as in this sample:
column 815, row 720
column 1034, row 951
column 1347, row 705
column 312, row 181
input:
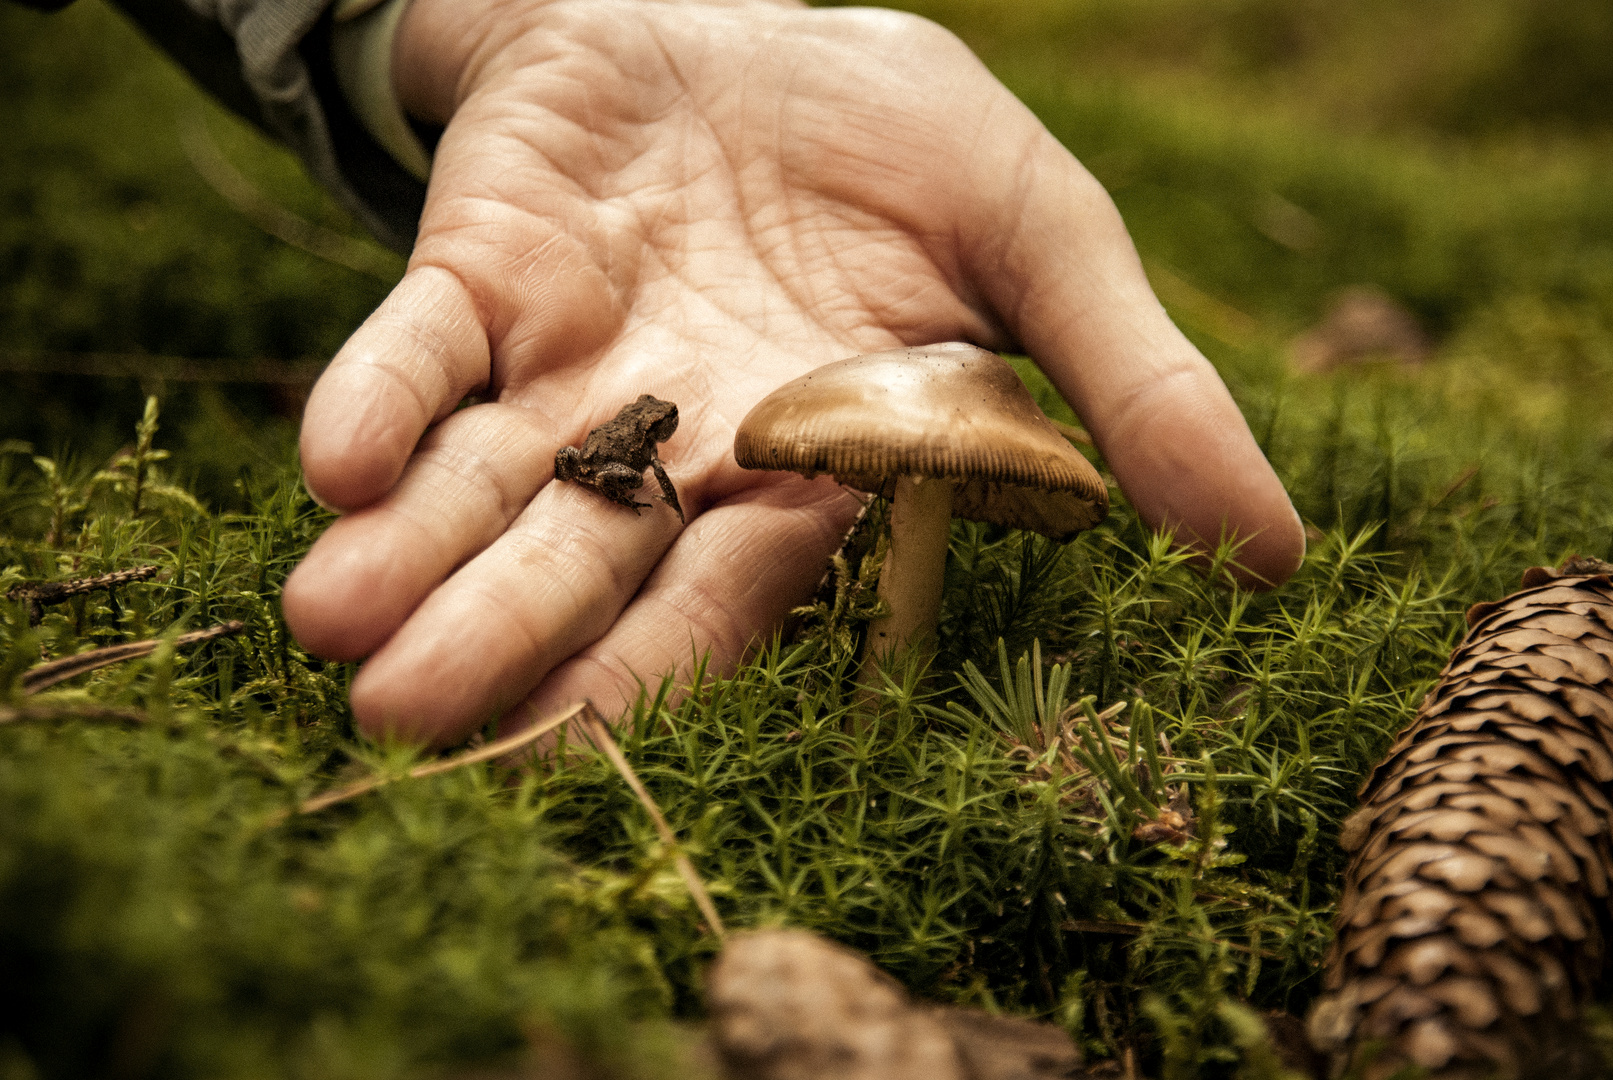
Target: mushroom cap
column 949, row 411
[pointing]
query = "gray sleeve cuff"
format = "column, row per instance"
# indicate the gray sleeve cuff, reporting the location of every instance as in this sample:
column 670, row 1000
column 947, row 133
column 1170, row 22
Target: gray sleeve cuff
column 285, row 50
column 361, row 47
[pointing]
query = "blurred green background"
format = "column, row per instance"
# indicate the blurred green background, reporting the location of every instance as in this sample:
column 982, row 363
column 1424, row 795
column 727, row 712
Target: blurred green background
column 114, row 246
column 1453, row 154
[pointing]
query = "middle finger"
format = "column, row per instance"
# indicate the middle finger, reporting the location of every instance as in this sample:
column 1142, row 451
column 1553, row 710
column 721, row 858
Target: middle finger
column 551, row 584
column 469, row 479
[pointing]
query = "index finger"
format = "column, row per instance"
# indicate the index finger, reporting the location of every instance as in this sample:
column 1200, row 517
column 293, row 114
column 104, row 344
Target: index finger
column 502, row 286
column 406, row 367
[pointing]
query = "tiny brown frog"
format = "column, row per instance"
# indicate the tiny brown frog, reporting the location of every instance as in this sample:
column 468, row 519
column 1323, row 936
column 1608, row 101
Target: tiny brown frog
column 616, row 453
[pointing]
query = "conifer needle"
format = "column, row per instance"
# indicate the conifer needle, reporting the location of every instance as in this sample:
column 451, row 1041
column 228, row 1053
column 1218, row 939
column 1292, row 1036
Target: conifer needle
column 501, row 748
column 599, row 733
column 48, row 674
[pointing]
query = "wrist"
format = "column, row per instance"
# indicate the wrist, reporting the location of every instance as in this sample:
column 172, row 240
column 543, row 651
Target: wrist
column 444, row 48
column 438, row 42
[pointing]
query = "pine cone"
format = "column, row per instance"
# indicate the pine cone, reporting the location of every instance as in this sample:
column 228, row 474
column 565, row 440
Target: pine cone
column 1475, row 905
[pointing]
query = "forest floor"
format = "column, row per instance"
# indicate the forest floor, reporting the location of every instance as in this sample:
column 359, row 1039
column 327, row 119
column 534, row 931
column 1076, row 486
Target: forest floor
column 1292, row 172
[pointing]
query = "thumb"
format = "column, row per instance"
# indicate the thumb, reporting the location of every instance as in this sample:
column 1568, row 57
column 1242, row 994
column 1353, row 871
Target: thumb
column 1067, row 281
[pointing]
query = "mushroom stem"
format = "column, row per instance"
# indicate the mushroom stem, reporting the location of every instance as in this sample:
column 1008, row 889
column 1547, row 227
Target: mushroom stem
column 915, row 564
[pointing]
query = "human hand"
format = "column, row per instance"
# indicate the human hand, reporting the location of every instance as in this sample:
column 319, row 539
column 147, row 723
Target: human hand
column 699, row 201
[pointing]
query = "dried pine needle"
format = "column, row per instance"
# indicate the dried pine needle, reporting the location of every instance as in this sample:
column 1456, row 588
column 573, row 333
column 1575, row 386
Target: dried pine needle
column 491, row 751
column 48, row 674
column 600, row 735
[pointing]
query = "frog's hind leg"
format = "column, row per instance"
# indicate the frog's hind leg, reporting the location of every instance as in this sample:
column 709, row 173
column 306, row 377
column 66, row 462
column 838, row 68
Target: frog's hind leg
column 618, row 483
column 669, row 494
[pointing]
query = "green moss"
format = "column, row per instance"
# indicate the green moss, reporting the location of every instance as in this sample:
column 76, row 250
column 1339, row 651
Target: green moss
column 168, row 915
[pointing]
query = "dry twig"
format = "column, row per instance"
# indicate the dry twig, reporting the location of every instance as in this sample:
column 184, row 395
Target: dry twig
column 36, row 594
column 599, row 733
column 211, row 165
column 46, row 713
column 597, row 729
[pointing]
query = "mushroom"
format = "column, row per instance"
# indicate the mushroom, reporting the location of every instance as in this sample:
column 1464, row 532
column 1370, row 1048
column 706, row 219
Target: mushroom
column 941, row 430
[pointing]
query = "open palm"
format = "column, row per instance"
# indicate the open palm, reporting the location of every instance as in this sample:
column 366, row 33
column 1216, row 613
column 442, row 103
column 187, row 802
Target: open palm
column 700, row 202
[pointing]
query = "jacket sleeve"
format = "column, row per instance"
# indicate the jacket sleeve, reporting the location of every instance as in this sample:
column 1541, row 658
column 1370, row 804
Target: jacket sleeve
column 270, row 62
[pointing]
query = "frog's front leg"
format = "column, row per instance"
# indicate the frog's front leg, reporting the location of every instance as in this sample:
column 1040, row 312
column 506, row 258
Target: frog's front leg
column 618, row 482
column 669, row 494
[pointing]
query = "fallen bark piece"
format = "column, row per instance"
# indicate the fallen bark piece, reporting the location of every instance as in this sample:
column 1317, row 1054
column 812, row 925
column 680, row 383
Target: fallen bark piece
column 1472, row 924
column 1009, row 1047
column 789, row 1005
